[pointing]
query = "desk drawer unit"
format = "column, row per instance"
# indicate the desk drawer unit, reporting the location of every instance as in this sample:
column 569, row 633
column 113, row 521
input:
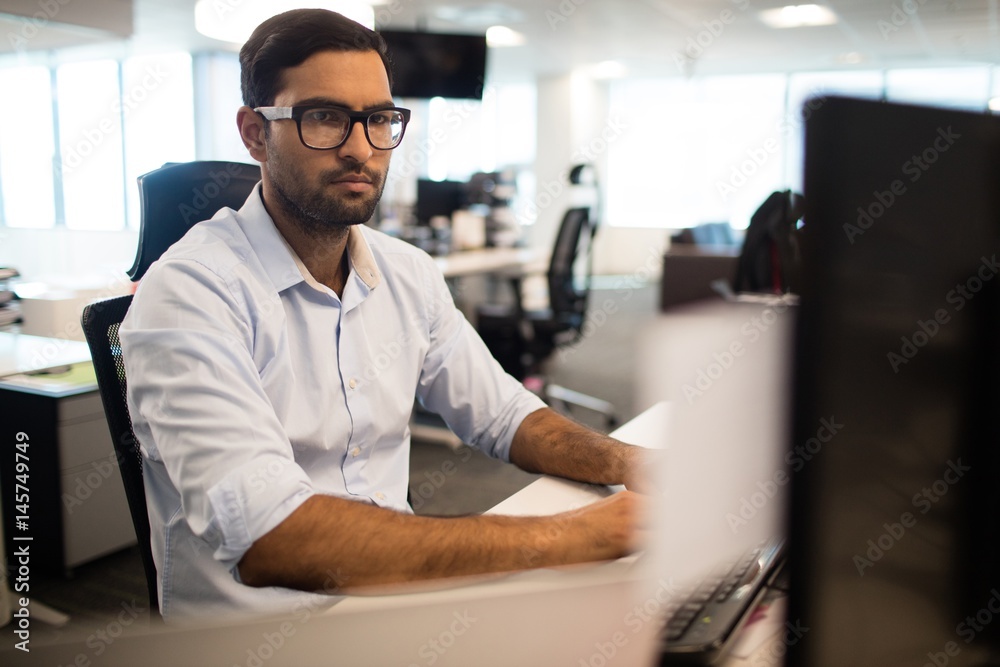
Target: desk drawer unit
column 78, row 510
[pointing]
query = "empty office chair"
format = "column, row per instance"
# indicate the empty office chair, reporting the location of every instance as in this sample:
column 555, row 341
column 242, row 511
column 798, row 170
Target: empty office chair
column 523, row 340
column 173, row 199
column 769, row 261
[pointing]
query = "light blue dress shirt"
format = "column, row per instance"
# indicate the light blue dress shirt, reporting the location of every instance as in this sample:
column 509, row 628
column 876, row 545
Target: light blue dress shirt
column 253, row 387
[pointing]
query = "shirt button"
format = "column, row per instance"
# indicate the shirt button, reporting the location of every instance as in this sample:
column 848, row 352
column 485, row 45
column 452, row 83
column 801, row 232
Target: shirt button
column 355, row 451
column 353, row 383
column 380, row 495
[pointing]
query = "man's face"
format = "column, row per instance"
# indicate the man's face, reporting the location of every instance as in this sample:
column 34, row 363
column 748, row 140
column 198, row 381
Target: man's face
column 326, row 189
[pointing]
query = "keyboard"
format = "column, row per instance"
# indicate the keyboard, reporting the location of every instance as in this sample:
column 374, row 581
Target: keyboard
column 703, row 626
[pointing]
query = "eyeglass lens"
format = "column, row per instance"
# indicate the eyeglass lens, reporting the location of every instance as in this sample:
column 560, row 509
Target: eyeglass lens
column 326, row 128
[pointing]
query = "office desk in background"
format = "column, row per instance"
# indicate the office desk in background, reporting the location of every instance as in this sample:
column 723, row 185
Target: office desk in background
column 690, row 269
column 489, row 261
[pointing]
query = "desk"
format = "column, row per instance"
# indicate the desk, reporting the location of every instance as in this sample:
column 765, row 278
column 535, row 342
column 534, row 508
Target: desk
column 78, row 509
column 689, row 271
column 487, row 261
column 21, row 353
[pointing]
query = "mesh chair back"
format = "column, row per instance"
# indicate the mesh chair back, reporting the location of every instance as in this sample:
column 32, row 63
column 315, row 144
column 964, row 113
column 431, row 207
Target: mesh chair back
column 570, row 266
column 100, row 322
column 175, row 197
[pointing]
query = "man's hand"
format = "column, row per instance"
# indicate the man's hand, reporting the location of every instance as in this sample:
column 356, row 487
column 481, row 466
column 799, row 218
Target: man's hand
column 609, row 528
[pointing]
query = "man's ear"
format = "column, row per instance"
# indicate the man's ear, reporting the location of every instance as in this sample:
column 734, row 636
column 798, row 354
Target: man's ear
column 251, row 126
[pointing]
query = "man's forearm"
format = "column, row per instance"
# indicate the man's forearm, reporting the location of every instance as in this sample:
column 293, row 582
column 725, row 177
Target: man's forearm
column 546, row 442
column 335, row 543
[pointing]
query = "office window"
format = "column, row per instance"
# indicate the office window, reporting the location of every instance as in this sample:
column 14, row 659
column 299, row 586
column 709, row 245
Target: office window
column 114, row 121
column 694, row 151
column 27, row 148
column 953, row 87
column 216, row 99
column 158, row 117
column 454, row 139
column 511, row 118
column 454, row 130
column 994, row 101
column 470, row 136
column 806, row 85
column 90, row 143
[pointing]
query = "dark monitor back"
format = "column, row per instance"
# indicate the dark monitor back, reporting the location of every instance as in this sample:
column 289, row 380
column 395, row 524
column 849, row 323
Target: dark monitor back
column 895, row 516
column 436, row 198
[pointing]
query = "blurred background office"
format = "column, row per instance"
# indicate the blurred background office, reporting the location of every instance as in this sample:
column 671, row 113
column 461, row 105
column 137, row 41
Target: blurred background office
column 690, row 110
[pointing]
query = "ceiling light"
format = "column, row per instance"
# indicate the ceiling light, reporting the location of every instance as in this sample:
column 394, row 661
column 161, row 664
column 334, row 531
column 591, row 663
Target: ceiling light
column 797, row 16
column 479, row 15
column 234, row 22
column 851, row 58
column 501, row 35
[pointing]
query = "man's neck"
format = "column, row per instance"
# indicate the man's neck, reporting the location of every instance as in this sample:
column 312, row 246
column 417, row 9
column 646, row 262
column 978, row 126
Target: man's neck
column 324, row 253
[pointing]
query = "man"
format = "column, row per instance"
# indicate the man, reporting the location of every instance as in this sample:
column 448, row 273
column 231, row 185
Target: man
column 274, row 353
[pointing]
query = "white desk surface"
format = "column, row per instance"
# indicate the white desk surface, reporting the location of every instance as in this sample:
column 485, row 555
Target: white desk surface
column 22, row 353
column 487, row 260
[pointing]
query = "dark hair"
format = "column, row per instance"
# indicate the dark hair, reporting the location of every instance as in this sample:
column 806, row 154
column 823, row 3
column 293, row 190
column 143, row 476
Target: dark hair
column 288, row 39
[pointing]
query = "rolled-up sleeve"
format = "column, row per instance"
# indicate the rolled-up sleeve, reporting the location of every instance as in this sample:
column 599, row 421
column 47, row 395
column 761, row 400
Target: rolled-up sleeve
column 464, row 383
column 199, row 407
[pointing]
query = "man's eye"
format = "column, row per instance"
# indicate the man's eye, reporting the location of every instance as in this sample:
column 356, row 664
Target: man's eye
column 323, row 116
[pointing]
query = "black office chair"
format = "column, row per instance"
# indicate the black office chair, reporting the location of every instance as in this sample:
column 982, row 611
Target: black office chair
column 173, row 198
column 769, row 260
column 523, row 340
column 178, row 195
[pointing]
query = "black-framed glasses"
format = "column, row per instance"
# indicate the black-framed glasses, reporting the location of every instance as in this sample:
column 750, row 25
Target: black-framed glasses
column 326, row 128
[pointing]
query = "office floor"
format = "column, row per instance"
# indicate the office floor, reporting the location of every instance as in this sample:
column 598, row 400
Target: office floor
column 442, row 481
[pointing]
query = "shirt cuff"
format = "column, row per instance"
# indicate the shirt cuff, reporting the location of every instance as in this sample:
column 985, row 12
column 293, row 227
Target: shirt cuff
column 497, row 438
column 253, row 499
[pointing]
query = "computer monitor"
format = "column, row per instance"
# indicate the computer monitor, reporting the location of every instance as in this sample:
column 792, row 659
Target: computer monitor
column 895, row 454
column 436, row 198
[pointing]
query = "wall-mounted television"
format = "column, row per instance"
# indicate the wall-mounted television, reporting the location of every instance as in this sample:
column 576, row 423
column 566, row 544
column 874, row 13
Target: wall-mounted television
column 426, row 64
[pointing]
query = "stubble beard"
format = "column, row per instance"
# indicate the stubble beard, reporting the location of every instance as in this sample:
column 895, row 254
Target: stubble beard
column 318, row 212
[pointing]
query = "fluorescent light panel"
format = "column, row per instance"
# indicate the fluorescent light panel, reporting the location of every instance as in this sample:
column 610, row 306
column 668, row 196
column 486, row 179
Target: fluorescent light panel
column 234, row 23
column 501, row 35
column 797, row 16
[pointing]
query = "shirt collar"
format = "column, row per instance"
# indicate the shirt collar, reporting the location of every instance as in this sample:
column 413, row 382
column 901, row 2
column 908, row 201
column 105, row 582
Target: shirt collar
column 282, row 264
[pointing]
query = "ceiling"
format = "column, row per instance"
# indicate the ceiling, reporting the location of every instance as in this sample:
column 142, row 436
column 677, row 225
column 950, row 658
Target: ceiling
column 648, row 37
